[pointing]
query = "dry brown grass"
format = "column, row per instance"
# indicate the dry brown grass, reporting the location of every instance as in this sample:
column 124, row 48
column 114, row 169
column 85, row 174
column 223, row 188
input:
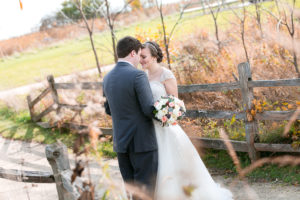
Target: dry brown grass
column 45, row 37
column 200, row 62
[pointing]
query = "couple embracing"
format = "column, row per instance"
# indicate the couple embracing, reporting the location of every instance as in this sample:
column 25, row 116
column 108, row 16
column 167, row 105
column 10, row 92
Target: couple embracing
column 161, row 161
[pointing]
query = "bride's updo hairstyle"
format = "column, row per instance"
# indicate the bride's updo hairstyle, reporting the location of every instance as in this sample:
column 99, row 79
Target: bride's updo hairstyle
column 155, row 50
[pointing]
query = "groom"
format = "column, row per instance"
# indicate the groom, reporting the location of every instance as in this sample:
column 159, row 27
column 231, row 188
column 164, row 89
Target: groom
column 130, row 103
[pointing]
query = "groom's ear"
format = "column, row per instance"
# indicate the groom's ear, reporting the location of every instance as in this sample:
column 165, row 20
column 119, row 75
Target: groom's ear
column 132, row 53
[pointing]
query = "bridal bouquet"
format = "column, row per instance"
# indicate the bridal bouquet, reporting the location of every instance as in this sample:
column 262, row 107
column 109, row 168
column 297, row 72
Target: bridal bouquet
column 168, row 110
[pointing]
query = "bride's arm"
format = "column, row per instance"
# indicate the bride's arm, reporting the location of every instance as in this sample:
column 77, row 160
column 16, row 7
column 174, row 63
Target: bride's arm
column 171, row 87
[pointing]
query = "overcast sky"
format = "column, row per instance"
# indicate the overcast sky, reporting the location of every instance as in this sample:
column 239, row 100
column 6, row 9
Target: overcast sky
column 15, row 22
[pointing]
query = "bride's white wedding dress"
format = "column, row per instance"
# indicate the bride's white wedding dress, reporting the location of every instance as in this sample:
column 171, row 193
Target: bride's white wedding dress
column 179, row 164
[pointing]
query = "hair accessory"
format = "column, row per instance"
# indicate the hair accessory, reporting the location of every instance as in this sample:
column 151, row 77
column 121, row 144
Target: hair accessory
column 151, row 45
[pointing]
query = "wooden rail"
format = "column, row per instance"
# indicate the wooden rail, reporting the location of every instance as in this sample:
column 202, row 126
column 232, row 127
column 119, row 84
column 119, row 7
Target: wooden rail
column 242, row 146
column 266, row 115
column 208, row 87
column 274, row 83
column 213, row 114
column 81, row 86
column 26, row 176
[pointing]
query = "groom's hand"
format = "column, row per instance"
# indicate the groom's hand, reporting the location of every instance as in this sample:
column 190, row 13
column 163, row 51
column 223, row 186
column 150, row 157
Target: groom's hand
column 107, row 109
column 106, row 105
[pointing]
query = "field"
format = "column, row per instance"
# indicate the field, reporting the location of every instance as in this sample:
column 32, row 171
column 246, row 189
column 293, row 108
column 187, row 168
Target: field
column 75, row 54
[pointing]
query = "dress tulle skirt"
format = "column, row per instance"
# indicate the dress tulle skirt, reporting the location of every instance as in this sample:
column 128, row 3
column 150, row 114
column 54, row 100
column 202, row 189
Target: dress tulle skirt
column 181, row 172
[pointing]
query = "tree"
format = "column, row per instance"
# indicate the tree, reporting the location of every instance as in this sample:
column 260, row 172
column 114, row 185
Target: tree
column 288, row 21
column 47, row 22
column 70, row 9
column 167, row 39
column 258, row 15
column 214, row 13
column 90, row 29
column 110, row 23
column 135, row 4
column 242, row 21
column 110, row 20
column 74, row 10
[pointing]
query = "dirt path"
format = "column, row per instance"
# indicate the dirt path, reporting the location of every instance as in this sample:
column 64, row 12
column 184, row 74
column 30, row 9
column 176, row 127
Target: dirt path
column 31, row 156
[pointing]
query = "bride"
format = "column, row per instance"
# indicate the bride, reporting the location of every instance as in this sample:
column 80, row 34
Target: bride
column 180, row 167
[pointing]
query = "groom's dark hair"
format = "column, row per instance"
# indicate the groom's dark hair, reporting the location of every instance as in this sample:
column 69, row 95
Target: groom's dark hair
column 127, row 45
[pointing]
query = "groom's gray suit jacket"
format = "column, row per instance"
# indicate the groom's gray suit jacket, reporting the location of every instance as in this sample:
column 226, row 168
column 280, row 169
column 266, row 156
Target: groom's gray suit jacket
column 130, row 103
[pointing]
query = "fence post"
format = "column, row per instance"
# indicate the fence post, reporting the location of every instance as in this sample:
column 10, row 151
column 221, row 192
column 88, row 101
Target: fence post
column 57, row 156
column 31, row 111
column 251, row 126
column 54, row 94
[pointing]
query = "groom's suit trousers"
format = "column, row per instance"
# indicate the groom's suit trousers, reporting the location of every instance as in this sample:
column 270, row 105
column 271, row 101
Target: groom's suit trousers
column 140, row 169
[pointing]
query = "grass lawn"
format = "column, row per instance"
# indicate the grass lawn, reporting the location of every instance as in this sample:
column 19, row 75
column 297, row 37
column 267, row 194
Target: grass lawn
column 74, row 55
column 19, row 127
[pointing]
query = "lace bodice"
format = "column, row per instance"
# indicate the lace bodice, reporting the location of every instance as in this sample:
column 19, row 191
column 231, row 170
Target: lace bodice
column 157, row 86
column 158, row 90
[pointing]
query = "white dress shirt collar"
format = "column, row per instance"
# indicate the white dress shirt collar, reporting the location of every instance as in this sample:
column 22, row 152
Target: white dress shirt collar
column 120, row 60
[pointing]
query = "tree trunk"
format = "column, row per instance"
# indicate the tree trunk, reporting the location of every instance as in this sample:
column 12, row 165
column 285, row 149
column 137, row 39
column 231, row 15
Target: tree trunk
column 243, row 34
column 91, row 38
column 113, row 39
column 95, row 53
column 258, row 19
column 165, row 38
column 295, row 59
column 217, row 33
column 111, row 27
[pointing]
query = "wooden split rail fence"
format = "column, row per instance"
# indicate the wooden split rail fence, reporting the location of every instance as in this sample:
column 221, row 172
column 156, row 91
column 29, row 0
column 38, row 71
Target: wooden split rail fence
column 57, row 153
column 245, row 84
column 57, row 106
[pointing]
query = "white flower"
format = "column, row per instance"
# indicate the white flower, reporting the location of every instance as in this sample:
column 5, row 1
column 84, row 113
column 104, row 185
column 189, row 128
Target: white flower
column 176, row 110
column 171, row 120
column 174, row 116
column 165, row 111
column 158, row 105
column 163, row 101
column 159, row 115
column 176, row 100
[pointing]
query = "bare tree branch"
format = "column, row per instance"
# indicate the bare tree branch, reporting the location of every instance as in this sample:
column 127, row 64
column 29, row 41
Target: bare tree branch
column 290, row 27
column 159, row 7
column 242, row 27
column 215, row 17
column 168, row 40
column 178, row 20
column 121, row 11
column 78, row 4
column 110, row 20
column 258, row 15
